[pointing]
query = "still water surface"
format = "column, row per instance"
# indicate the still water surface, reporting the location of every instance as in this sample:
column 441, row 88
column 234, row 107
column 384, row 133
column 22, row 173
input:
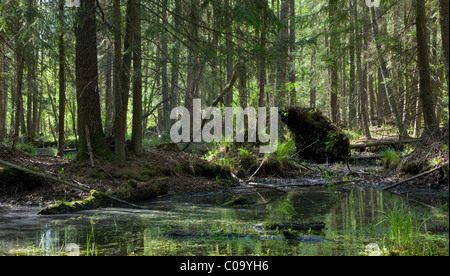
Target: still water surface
column 203, row 226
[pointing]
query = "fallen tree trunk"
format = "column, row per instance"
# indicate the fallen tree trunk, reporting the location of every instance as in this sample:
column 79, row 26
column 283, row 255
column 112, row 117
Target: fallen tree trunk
column 384, row 143
column 415, row 177
column 67, row 183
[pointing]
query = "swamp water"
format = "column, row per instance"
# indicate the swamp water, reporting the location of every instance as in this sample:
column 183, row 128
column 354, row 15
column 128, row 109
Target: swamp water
column 205, row 226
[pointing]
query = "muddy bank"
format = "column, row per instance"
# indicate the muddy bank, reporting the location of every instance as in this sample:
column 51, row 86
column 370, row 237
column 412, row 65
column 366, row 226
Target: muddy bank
column 158, row 172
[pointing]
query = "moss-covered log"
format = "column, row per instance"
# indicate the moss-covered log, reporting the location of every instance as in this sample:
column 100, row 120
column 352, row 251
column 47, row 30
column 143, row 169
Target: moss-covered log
column 316, row 137
column 133, row 191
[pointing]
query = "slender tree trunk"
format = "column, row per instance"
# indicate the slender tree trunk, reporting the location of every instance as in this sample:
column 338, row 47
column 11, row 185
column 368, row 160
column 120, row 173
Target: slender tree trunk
column 137, row 131
column 444, row 19
column 62, row 85
column 109, row 96
column 120, row 126
column 174, row 90
column 333, row 69
column 312, row 89
column 385, row 78
column 164, row 74
column 3, row 101
column 352, row 77
column 426, row 92
column 292, row 75
column 262, row 69
column 228, row 101
column 20, row 61
column 193, row 64
column 283, row 47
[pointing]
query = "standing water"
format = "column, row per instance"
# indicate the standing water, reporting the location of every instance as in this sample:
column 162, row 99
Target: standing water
column 243, row 224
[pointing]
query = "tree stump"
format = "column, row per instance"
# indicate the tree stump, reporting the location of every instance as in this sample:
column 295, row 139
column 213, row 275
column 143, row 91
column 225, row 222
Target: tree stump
column 316, row 137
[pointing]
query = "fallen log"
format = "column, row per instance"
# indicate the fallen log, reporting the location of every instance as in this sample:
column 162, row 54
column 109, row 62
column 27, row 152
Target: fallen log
column 415, row 177
column 384, row 143
column 278, row 187
column 67, row 183
column 290, row 226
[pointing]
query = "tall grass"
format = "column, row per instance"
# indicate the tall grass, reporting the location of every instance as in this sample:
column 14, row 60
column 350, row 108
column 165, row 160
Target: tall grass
column 404, row 230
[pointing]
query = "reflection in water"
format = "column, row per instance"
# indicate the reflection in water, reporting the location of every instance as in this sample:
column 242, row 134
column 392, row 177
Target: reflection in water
column 202, row 226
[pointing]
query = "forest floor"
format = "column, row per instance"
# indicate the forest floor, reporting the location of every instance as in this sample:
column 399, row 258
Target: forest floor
column 185, row 173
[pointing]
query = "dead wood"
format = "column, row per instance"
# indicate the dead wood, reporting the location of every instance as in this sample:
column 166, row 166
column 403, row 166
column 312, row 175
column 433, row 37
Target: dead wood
column 67, row 183
column 415, row 177
column 384, row 143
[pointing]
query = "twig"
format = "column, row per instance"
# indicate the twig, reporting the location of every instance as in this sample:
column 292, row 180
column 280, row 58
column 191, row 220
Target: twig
column 257, row 170
column 415, row 177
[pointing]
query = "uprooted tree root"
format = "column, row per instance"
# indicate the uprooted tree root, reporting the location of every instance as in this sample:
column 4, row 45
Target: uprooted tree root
column 316, row 137
column 431, row 153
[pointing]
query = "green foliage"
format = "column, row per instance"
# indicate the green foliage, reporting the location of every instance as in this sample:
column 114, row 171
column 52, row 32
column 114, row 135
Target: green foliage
column 405, row 230
column 391, row 158
column 284, row 150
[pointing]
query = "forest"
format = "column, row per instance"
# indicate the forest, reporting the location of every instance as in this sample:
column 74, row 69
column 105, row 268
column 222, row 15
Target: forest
column 87, row 90
column 118, row 69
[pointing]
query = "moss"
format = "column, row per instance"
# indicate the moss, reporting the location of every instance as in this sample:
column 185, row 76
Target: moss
column 316, row 137
column 132, row 183
column 95, row 200
column 96, row 174
column 412, row 168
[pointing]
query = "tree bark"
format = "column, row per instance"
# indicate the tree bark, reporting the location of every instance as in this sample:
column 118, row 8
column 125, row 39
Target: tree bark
column 164, row 75
column 426, row 92
column 385, row 78
column 444, row 19
column 228, row 100
column 137, row 132
column 62, row 85
column 20, row 61
column 292, row 75
column 120, row 126
column 88, row 97
column 333, row 67
column 283, row 47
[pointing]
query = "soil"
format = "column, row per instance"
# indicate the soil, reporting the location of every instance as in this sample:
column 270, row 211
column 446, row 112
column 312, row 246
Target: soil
column 183, row 173
column 186, row 173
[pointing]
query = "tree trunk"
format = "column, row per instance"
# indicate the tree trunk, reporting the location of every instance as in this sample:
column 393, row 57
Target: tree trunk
column 174, row 90
column 120, row 126
column 332, row 70
column 88, row 97
column 312, row 89
column 228, row 101
column 164, row 75
column 137, row 132
column 262, row 68
column 118, row 131
column 280, row 89
column 292, row 75
column 109, row 96
column 193, row 66
column 426, row 92
column 20, row 61
column 386, row 78
column 62, row 85
column 3, row 102
column 352, row 80
column 444, row 19
column 362, row 80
